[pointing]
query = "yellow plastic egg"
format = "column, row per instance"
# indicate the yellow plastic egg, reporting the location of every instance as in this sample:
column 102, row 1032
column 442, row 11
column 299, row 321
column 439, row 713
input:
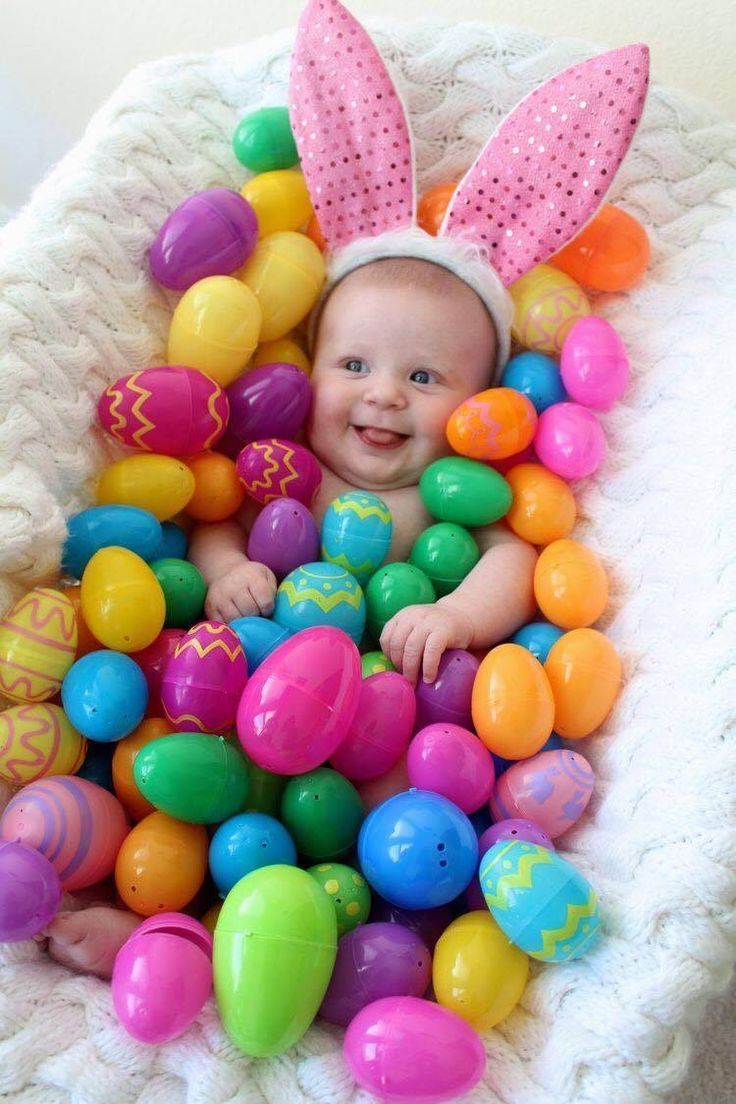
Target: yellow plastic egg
column 215, row 328
column 546, row 304
column 38, row 644
column 122, row 601
column 570, row 584
column 280, row 200
column 584, row 671
column 476, row 972
column 160, row 484
column 286, row 272
column 284, row 349
column 512, row 704
column 36, row 739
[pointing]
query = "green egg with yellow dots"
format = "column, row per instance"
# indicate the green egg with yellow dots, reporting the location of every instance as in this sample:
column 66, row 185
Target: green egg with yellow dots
column 348, row 891
column 375, row 663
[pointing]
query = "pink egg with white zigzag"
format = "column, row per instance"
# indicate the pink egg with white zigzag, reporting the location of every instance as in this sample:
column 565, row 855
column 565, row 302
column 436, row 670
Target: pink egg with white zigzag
column 203, row 680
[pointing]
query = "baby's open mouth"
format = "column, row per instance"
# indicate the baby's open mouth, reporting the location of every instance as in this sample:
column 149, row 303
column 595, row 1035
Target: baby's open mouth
column 380, row 438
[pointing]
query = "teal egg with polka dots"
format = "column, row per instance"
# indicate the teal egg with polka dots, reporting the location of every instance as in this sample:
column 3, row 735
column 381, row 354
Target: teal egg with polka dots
column 356, row 533
column 539, row 900
column 321, row 594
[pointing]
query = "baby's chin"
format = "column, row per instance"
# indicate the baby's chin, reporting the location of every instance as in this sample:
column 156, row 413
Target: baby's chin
column 382, row 473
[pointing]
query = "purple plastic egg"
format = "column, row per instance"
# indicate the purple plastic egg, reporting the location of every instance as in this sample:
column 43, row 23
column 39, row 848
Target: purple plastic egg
column 210, row 234
column 514, row 828
column 374, row 961
column 202, row 681
column 381, row 728
column 551, row 789
column 594, row 365
column 474, row 899
column 448, row 697
column 427, row 923
column 277, row 468
column 450, row 760
column 284, row 536
column 270, row 401
column 30, row 891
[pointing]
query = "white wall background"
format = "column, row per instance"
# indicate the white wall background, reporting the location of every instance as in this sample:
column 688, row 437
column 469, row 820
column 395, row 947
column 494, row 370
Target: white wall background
column 60, row 59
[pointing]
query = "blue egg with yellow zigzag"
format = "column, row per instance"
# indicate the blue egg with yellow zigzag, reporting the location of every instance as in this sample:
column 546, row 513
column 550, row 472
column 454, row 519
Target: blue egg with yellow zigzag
column 356, row 533
column 321, row 594
column 539, row 900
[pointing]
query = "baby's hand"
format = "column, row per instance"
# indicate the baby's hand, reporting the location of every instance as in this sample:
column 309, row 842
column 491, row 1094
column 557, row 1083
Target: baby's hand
column 246, row 589
column 418, row 635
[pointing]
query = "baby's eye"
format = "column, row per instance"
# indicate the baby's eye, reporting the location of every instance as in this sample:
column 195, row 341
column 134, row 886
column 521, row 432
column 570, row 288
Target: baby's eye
column 356, row 365
column 423, row 376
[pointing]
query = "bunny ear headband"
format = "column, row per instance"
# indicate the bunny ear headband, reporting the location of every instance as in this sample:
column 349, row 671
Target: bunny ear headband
column 538, row 180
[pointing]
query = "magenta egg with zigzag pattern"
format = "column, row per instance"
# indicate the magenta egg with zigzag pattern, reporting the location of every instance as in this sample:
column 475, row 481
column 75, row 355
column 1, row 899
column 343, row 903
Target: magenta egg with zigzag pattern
column 203, row 680
column 277, row 468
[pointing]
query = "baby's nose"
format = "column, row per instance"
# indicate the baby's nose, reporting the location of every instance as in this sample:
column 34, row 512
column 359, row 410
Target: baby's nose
column 384, row 389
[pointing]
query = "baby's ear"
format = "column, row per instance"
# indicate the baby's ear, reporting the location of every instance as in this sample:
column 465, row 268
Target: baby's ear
column 545, row 171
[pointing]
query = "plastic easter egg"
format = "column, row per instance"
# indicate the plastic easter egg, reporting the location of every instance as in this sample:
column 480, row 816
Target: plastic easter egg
column 258, row 638
column 348, row 891
column 270, row 401
column 451, row 761
column 552, row 789
column 299, row 704
column 30, row 891
column 104, row 695
column 280, row 200
column 432, row 206
column 38, row 643
column 374, row 961
column 378, row 790
column 174, row 542
column 202, row 682
column 265, row 791
column 464, row 491
column 159, row 484
column 314, row 231
column 209, row 234
column 285, row 350
column 584, row 671
column 169, row 409
column 283, row 536
column 218, row 492
column 446, row 553
column 550, row 911
column 511, row 829
column 215, row 328
column 275, row 947
column 263, row 140
column 391, row 588
column 86, row 642
column 184, row 591
column 356, row 533
column 427, row 923
column 546, row 304
column 476, row 972
column 278, row 468
column 152, row 661
column 537, row 637
column 162, row 977
column 122, row 600
column 123, row 761
column 448, row 698
column 570, row 441
column 512, row 705
column 544, row 507
column 245, row 843
column 381, row 728
column 192, row 776
column 594, row 364
column 209, row 919
column 285, row 272
column 493, row 424
column 37, row 740
column 410, row 1051
column 161, row 864
column 321, row 594
column 323, row 813
column 78, row 826
column 373, row 663
column 570, row 584
column 611, row 253
column 437, row 856
column 537, row 376
column 102, row 526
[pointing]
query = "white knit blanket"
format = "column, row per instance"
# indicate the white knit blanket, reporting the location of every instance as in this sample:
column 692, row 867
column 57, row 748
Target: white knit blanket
column 77, row 309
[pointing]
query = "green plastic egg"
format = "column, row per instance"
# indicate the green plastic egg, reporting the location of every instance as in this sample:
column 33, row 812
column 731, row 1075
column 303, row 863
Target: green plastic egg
column 348, row 891
column 265, row 790
column 323, row 812
column 446, row 553
column 374, row 663
column 184, row 591
column 391, row 588
column 464, row 491
column 193, row 776
column 263, row 140
column 274, row 950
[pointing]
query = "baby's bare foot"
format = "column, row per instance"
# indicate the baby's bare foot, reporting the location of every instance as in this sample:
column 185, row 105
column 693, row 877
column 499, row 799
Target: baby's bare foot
column 88, row 941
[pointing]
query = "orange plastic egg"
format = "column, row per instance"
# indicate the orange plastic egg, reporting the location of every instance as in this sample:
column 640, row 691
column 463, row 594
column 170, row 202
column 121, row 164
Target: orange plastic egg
column 543, row 509
column 570, row 584
column 218, row 493
column 433, row 204
column 314, row 231
column 584, row 671
column 611, row 253
column 493, row 424
column 161, row 864
column 512, row 705
column 135, row 804
column 546, row 304
column 86, row 642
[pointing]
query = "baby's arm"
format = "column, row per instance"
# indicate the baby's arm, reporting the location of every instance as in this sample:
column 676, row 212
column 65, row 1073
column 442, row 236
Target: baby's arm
column 494, row 600
column 236, row 586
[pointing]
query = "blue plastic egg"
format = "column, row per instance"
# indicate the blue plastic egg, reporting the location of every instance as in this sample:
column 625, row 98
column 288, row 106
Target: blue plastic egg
column 244, row 843
column 174, row 542
column 321, row 594
column 105, row 526
column 536, row 376
column 538, row 637
column 418, row 850
column 539, row 900
column 356, row 533
column 97, row 765
column 258, row 637
column 105, row 695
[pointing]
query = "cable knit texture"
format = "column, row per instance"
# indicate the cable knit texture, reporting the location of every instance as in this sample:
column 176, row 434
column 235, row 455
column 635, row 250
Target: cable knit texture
column 77, row 309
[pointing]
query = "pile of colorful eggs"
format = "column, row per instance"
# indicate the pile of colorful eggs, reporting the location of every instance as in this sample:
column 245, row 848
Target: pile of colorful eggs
column 365, row 838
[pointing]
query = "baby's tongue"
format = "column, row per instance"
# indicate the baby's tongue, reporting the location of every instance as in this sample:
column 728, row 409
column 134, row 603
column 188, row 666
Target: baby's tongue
column 375, row 436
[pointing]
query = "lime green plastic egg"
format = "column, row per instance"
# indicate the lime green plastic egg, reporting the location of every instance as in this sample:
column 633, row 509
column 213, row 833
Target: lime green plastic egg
column 348, row 891
column 192, row 776
column 374, row 663
column 285, row 272
column 464, row 491
column 263, row 140
column 215, row 328
column 446, row 553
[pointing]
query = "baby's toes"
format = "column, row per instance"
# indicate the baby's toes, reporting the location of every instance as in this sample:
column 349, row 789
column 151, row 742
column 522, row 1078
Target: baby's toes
column 88, row 941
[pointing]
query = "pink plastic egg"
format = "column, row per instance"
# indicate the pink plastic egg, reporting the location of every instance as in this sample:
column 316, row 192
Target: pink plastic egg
column 514, row 829
column 162, row 977
column 381, row 729
column 284, row 536
column 377, row 790
column 569, row 440
column 152, row 661
column 552, row 789
column 77, row 825
column 300, row 702
column 452, row 761
column 410, row 1051
column 202, row 682
column 277, row 468
column 594, row 365
column 170, row 409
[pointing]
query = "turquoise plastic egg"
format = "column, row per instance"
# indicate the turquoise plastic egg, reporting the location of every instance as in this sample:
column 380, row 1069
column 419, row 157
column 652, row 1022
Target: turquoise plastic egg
column 258, row 637
column 446, row 553
column 356, row 533
column 321, row 594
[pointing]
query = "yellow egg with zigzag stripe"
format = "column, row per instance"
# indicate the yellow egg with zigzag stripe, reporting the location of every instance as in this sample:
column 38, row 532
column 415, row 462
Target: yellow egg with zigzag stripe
column 38, row 644
column 356, row 533
column 321, row 594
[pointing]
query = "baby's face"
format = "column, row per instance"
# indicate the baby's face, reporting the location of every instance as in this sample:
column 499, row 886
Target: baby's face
column 391, row 364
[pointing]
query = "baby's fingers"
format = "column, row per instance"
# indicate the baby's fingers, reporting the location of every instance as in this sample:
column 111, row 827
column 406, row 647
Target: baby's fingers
column 433, row 651
column 413, row 652
column 262, row 593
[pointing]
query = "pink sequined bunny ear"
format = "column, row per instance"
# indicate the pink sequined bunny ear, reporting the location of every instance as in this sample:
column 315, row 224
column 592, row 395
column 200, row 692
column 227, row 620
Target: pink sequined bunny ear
column 350, row 128
column 544, row 172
